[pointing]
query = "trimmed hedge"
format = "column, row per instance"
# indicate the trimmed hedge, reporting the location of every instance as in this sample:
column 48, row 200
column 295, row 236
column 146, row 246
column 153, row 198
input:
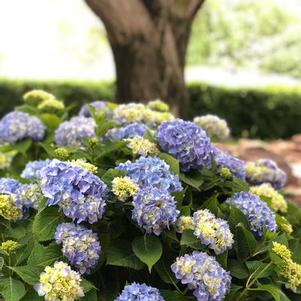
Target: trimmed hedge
column 270, row 112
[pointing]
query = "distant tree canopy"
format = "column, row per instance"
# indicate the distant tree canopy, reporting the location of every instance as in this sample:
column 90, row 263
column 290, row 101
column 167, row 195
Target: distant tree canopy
column 252, row 34
column 149, row 40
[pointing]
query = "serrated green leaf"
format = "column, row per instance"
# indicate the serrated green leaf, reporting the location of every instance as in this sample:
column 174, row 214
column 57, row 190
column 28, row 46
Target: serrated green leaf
column 119, row 253
column 45, row 223
column 189, row 239
column 42, row 256
column 148, row 249
column 238, row 269
column 246, row 242
column 29, row 274
column 172, row 162
column 11, row 289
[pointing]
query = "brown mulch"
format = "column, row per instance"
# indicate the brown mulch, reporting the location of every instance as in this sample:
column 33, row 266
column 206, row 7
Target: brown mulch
column 286, row 153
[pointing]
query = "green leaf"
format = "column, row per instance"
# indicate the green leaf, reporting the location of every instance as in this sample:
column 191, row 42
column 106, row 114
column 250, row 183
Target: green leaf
column 11, row 289
column 90, row 296
column 52, row 121
column 172, row 162
column 42, row 256
column 32, row 295
column 45, row 223
column 238, row 269
column 193, row 180
column 29, row 274
column 148, row 249
column 1, row 263
column 87, row 285
column 119, row 253
column 189, row 239
column 236, row 216
column 23, row 146
column 246, row 242
column 111, row 174
column 277, row 293
column 173, row 296
column 260, row 269
column 164, row 271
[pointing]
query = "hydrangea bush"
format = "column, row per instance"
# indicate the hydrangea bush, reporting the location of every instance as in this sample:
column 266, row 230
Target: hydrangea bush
column 127, row 203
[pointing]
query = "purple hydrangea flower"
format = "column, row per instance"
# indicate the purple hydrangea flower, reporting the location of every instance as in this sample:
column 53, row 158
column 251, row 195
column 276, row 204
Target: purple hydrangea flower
column 154, row 210
column 79, row 193
column 257, row 212
column 139, row 292
column 151, row 172
column 224, row 159
column 80, row 246
column 129, row 131
column 265, row 171
column 8, row 185
column 32, row 169
column 16, row 126
column 70, row 133
column 99, row 105
column 203, row 274
column 187, row 142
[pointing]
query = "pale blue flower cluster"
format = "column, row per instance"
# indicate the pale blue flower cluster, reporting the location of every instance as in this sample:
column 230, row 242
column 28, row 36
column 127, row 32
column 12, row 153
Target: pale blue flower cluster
column 79, row 193
column 139, row 292
column 71, row 132
column 265, row 171
column 213, row 232
column 257, row 212
column 151, row 172
column 154, row 210
column 224, row 159
column 187, row 142
column 8, row 185
column 80, row 246
column 203, row 274
column 32, row 170
column 129, row 131
column 98, row 105
column 24, row 196
column 16, row 126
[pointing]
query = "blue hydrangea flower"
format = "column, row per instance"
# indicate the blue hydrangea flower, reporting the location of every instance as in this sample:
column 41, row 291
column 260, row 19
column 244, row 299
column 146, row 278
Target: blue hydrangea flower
column 203, row 274
column 70, row 133
column 32, row 169
column 80, row 246
column 257, row 212
column 16, row 126
column 265, row 171
column 79, row 193
column 224, row 159
column 139, row 292
column 154, row 210
column 187, row 142
column 99, row 105
column 151, row 172
column 29, row 195
column 129, row 131
column 8, row 185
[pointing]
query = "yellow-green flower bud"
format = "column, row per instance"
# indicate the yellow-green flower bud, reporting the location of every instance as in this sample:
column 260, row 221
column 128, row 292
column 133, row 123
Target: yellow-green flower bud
column 51, row 105
column 124, row 187
column 8, row 208
column 184, row 223
column 158, row 105
column 142, row 146
column 62, row 153
column 81, row 163
column 35, row 97
column 9, row 246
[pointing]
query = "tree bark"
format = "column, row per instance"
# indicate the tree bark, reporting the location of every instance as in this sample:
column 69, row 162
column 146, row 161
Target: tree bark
column 149, row 39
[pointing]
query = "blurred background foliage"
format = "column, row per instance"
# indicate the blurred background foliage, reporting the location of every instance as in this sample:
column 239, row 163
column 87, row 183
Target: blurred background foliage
column 250, row 34
column 261, row 38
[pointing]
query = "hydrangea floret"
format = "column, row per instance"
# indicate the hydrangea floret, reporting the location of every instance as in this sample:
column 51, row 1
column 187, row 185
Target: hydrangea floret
column 202, row 274
column 60, row 283
column 186, row 142
column 257, row 212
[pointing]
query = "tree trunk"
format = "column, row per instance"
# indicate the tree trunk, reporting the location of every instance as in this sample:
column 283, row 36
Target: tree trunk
column 149, row 40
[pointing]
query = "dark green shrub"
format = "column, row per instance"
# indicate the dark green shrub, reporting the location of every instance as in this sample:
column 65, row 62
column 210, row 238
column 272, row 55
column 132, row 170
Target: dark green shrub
column 271, row 112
